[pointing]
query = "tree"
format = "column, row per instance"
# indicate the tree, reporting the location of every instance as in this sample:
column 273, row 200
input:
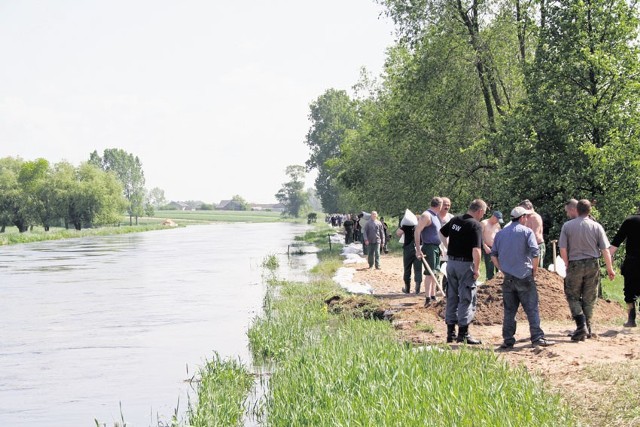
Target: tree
column 242, row 204
column 332, row 116
column 577, row 133
column 156, row 198
column 292, row 194
column 128, row 169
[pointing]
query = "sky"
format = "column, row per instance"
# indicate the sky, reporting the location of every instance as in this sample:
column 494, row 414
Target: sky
column 213, row 96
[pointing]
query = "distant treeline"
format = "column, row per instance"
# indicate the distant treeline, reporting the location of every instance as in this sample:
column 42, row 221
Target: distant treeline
column 97, row 192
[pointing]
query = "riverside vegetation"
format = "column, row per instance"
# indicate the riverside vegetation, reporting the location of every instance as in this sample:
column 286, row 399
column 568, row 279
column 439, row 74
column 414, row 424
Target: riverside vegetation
column 329, row 369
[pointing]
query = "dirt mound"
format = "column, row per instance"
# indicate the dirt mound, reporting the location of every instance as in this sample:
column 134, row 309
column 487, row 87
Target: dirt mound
column 553, row 305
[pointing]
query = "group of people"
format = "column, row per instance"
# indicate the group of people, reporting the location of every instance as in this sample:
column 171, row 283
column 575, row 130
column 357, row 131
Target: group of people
column 517, row 250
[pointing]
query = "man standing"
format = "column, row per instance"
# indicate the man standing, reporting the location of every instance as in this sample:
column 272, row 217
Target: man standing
column 490, row 228
column 630, row 231
column 534, row 222
column 463, row 268
column 571, row 208
column 445, row 216
column 581, row 242
column 373, row 238
column 515, row 252
column 427, row 241
column 409, row 260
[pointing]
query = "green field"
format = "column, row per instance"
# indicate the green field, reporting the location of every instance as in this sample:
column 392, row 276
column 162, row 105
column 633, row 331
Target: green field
column 216, row 216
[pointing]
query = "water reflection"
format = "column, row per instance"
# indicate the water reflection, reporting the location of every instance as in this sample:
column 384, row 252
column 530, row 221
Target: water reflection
column 88, row 323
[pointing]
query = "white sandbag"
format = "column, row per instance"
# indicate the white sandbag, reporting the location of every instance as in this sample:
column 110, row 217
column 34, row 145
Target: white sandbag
column 560, row 267
column 354, row 259
column 344, row 278
column 409, row 219
column 365, row 217
column 351, row 248
column 401, row 240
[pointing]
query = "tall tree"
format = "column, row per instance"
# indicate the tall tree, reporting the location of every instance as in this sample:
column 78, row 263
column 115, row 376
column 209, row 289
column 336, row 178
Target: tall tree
column 128, row 169
column 333, row 115
column 292, row 194
column 577, row 134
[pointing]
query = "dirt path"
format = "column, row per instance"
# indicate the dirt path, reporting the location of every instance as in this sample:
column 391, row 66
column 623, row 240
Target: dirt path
column 557, row 364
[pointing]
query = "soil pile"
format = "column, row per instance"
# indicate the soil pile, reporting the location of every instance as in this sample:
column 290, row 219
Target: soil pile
column 553, row 305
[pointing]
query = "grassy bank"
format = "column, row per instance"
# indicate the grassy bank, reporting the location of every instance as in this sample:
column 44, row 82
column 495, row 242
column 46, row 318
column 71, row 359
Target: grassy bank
column 11, row 236
column 332, row 369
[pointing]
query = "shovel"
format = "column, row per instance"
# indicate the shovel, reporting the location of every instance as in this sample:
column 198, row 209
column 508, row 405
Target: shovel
column 438, row 282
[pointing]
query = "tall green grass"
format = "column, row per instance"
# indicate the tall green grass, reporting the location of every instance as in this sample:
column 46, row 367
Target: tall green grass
column 340, row 371
column 222, row 393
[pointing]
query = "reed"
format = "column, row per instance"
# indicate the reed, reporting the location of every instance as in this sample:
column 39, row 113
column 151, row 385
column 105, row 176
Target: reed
column 222, row 394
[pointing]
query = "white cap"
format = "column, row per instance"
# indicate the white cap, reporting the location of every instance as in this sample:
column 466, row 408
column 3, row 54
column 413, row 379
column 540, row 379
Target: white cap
column 518, row 211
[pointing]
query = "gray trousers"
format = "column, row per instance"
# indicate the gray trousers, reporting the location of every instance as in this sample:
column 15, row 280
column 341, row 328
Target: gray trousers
column 461, row 293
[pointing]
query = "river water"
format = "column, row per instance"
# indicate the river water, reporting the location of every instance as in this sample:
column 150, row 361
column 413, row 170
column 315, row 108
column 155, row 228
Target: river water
column 100, row 327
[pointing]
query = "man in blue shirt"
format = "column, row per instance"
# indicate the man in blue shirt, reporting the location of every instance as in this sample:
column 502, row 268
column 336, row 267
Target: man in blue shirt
column 515, row 252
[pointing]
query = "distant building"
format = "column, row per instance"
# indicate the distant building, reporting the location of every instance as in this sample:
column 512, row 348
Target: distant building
column 180, row 206
column 229, row 205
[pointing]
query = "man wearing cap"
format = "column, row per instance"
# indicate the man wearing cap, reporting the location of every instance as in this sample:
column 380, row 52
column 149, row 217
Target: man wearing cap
column 490, row 228
column 581, row 242
column 515, row 252
column 463, row 268
column 630, row 231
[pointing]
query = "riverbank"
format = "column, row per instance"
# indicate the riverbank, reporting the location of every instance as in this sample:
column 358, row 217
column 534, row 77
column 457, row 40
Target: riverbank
column 331, row 365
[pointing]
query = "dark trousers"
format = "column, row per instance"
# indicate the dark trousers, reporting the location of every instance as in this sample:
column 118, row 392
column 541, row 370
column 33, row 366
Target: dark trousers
column 410, row 261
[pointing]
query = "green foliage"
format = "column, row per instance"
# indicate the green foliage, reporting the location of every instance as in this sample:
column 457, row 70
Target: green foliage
column 499, row 100
column 243, row 205
column 222, row 393
column 270, row 262
column 128, row 169
column 292, row 194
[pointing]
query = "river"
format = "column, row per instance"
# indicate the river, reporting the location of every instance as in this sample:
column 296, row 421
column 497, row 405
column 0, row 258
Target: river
column 96, row 328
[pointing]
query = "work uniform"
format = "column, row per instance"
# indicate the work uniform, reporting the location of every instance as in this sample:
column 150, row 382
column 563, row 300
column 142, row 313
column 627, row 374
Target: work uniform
column 465, row 234
column 584, row 239
column 430, row 240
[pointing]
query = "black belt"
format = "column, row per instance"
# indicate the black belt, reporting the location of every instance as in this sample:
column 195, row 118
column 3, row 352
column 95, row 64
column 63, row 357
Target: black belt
column 459, row 258
column 583, row 260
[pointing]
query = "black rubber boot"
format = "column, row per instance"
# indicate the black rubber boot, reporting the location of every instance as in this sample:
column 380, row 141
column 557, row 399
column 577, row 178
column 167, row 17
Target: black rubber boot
column 451, row 333
column 406, row 289
column 464, row 337
column 631, row 311
column 418, row 287
column 581, row 328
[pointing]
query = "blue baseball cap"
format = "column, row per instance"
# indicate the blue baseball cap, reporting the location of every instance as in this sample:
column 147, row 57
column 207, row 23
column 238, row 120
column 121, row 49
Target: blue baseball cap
column 498, row 215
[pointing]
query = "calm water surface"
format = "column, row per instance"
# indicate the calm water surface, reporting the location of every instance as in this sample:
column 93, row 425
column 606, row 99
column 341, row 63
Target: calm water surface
column 89, row 324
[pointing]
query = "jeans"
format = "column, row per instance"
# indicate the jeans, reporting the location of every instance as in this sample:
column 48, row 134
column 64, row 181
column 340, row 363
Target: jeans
column 517, row 291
